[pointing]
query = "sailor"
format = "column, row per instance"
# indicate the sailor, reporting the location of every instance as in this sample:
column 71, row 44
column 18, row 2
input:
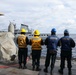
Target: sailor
column 66, row 43
column 51, row 43
column 22, row 42
column 36, row 43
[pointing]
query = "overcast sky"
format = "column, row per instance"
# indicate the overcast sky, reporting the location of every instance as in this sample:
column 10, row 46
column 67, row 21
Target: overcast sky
column 39, row 14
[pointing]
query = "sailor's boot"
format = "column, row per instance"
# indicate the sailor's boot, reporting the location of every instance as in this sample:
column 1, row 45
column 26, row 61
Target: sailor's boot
column 20, row 66
column 60, row 71
column 37, row 68
column 46, row 69
column 24, row 66
column 33, row 68
column 69, row 72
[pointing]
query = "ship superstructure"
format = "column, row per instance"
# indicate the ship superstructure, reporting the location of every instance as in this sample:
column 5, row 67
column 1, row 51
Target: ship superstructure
column 28, row 31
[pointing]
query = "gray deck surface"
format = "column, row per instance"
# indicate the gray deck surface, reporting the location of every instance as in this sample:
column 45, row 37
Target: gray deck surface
column 11, row 68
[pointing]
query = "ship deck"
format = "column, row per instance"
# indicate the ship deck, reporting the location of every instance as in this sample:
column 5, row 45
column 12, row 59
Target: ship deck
column 11, row 68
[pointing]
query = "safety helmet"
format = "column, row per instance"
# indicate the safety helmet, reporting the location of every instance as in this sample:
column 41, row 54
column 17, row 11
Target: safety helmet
column 53, row 30
column 36, row 32
column 66, row 31
column 23, row 30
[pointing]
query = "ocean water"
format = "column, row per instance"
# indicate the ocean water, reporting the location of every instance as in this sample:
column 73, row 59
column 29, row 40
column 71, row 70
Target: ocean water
column 44, row 49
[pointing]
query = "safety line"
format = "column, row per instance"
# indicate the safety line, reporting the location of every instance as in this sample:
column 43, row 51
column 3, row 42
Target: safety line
column 4, row 66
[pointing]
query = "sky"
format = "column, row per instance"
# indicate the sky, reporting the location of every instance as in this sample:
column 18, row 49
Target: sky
column 39, row 14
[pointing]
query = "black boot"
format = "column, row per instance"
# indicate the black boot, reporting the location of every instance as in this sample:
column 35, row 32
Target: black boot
column 33, row 68
column 51, row 68
column 37, row 68
column 51, row 71
column 60, row 71
column 20, row 66
column 69, row 72
column 33, row 65
column 24, row 66
column 46, row 70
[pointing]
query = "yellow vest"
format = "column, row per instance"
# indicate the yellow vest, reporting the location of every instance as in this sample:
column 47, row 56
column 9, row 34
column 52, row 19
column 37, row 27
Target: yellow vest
column 22, row 41
column 36, row 43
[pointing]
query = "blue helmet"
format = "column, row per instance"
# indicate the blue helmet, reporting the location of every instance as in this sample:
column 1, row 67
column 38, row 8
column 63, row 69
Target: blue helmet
column 53, row 30
column 66, row 31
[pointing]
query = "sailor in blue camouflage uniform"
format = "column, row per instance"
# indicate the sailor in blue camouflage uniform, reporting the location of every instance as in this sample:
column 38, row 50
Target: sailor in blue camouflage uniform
column 66, row 43
column 51, row 42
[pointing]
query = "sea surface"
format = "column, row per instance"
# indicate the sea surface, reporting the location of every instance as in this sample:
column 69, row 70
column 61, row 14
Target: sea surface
column 44, row 49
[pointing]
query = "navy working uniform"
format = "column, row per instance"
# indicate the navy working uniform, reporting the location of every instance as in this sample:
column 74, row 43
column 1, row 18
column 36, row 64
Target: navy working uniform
column 52, row 43
column 22, row 42
column 36, row 43
column 66, row 43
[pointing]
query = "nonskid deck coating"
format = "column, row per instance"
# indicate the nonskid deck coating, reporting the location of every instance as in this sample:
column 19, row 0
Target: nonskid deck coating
column 12, row 68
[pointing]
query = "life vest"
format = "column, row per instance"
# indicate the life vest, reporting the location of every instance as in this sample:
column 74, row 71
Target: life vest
column 52, row 42
column 22, row 41
column 36, row 43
